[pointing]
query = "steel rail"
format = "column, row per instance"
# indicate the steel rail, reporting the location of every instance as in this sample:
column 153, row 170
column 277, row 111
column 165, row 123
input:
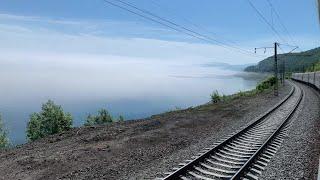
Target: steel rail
column 241, row 172
column 183, row 170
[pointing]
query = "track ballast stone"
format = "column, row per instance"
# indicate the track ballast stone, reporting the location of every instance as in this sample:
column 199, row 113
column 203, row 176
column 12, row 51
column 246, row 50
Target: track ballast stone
column 298, row 156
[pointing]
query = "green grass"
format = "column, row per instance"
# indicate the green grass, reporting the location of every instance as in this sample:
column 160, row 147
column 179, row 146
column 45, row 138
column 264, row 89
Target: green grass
column 221, row 99
column 261, row 87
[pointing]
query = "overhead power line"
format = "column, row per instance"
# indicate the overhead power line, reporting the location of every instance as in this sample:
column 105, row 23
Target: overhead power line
column 281, row 22
column 165, row 20
column 152, row 19
column 266, row 21
column 198, row 26
column 184, row 28
column 172, row 25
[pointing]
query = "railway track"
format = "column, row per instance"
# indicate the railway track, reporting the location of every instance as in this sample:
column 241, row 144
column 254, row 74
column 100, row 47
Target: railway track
column 245, row 154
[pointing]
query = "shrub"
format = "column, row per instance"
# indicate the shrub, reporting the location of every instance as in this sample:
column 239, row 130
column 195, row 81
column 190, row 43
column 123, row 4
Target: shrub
column 34, row 130
column 50, row 120
column 4, row 141
column 215, row 96
column 121, row 118
column 103, row 117
column 241, row 94
column 266, row 84
column 225, row 98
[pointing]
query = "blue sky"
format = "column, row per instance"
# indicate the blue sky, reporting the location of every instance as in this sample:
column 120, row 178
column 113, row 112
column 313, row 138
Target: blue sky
column 234, row 16
column 95, row 27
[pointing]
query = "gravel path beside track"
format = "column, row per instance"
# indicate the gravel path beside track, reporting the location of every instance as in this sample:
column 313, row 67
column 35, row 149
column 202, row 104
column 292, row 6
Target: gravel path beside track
column 298, row 157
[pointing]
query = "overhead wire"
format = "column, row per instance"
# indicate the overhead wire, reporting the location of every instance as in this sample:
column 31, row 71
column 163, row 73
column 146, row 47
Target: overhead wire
column 281, row 22
column 267, row 22
column 184, row 28
column 154, row 20
column 198, row 26
column 172, row 25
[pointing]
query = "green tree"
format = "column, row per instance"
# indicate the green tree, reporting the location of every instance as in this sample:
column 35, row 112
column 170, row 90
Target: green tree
column 121, row 118
column 103, row 117
column 294, row 62
column 266, row 84
column 4, row 141
column 51, row 120
column 34, row 130
column 91, row 120
column 215, row 96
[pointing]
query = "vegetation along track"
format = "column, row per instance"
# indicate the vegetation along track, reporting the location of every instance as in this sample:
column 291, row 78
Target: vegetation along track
column 245, row 154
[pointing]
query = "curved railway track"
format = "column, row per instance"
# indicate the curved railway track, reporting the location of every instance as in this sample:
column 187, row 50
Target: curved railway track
column 245, row 154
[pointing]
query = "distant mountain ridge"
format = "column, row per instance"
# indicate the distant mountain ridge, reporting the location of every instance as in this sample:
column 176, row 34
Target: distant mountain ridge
column 294, row 62
column 237, row 67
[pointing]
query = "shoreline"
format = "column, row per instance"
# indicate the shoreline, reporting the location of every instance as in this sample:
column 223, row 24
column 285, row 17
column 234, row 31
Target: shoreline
column 155, row 143
column 20, row 138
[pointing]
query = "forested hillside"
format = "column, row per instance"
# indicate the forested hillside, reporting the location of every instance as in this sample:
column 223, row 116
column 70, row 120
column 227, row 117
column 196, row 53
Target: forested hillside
column 295, row 62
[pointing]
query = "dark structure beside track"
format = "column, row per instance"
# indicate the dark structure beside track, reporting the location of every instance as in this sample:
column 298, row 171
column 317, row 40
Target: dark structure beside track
column 309, row 78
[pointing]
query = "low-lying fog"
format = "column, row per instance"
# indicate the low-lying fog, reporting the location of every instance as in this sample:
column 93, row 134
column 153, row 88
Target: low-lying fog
column 135, row 88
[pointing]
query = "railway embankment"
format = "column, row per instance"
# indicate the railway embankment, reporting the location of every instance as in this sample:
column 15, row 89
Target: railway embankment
column 298, row 157
column 133, row 149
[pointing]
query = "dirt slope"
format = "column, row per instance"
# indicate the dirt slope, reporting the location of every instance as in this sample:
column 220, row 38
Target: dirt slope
column 141, row 149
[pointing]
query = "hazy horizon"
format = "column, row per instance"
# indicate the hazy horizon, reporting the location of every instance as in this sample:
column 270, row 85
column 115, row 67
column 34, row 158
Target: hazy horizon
column 120, row 88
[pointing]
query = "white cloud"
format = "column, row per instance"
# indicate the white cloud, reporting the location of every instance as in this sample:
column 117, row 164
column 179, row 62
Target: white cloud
column 53, row 64
column 23, row 39
column 64, row 62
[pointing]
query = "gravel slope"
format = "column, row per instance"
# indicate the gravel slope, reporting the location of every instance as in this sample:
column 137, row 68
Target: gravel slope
column 135, row 149
column 298, row 157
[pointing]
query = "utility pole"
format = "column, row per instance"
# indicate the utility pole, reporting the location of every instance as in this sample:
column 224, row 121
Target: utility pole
column 314, row 74
column 284, row 70
column 275, row 65
column 276, row 93
column 281, row 71
column 313, row 67
column 282, row 76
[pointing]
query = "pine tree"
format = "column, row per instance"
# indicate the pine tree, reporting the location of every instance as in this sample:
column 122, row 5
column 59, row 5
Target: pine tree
column 51, row 120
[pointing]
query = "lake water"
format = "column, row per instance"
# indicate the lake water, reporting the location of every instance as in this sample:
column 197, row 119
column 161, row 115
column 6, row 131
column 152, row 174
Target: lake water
column 131, row 88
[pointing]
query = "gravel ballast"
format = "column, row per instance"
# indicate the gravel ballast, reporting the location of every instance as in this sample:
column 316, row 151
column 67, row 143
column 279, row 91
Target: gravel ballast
column 141, row 149
column 298, row 156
